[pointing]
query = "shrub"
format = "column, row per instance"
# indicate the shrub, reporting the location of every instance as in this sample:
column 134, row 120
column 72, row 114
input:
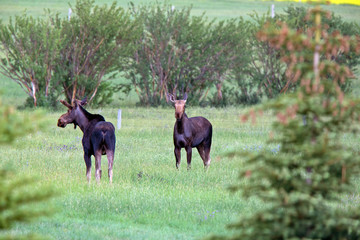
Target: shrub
column 266, row 75
column 30, row 47
column 180, row 53
column 95, row 42
column 50, row 56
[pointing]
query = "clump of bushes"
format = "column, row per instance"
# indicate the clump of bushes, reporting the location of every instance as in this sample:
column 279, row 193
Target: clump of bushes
column 157, row 49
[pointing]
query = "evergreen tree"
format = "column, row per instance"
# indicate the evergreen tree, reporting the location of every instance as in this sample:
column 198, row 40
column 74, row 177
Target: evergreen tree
column 302, row 185
column 18, row 194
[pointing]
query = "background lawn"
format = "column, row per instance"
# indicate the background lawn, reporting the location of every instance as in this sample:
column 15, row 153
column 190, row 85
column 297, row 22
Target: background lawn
column 149, row 198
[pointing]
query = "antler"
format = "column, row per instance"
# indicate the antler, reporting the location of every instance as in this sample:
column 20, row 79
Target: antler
column 66, row 104
column 171, row 97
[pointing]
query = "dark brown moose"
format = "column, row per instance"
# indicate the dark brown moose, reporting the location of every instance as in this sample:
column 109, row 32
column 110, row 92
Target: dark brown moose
column 190, row 133
column 98, row 139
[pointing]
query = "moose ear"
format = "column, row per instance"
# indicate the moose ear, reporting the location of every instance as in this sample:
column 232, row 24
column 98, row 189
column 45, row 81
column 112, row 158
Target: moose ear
column 66, row 104
column 171, row 97
column 83, row 101
column 185, row 97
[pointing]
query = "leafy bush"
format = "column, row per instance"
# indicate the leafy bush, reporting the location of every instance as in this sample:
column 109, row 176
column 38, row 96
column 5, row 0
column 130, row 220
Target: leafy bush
column 50, row 56
column 178, row 52
column 159, row 49
column 266, row 75
column 94, row 43
column 29, row 49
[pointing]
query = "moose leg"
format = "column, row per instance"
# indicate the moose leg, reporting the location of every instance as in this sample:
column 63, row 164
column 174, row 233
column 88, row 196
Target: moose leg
column 188, row 155
column 207, row 157
column 110, row 157
column 202, row 154
column 87, row 159
column 177, row 152
column 98, row 165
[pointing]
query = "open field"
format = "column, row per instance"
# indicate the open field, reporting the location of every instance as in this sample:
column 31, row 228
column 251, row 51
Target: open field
column 149, row 198
column 214, row 9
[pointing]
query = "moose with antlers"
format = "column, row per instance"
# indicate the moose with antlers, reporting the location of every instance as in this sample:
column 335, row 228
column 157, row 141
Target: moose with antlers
column 98, row 139
column 190, row 133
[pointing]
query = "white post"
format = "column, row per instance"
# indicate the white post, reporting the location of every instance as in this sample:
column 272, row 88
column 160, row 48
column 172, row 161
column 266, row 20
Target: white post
column 119, row 119
column 69, row 14
column 272, row 10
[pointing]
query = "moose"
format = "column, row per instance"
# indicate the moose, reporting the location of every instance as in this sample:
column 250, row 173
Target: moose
column 190, row 133
column 99, row 136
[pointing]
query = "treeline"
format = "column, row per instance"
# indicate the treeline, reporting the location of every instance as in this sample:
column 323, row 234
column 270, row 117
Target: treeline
column 157, row 49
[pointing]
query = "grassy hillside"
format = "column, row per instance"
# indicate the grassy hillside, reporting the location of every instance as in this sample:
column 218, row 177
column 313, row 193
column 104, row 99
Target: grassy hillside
column 214, row 9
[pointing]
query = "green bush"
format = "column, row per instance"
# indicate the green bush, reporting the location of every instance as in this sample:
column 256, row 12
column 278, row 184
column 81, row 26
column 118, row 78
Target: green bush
column 95, row 42
column 30, row 47
column 180, row 53
column 159, row 49
column 51, row 56
column 266, row 76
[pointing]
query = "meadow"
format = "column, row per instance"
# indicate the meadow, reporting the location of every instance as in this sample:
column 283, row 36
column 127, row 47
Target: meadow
column 149, row 198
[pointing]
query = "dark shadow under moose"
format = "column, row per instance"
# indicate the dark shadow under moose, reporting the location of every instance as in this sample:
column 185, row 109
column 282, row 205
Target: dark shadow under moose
column 98, row 139
column 190, row 133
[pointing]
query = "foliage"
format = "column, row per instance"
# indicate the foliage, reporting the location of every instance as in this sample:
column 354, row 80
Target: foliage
column 180, row 53
column 303, row 183
column 296, row 18
column 266, row 74
column 29, row 49
column 95, row 41
column 50, row 56
column 14, row 124
column 18, row 196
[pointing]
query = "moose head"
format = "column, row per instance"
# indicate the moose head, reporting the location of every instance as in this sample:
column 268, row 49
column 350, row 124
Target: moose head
column 179, row 105
column 70, row 116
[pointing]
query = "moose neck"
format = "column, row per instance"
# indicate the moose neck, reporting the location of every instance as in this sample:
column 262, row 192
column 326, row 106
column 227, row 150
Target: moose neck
column 84, row 119
column 182, row 123
column 81, row 120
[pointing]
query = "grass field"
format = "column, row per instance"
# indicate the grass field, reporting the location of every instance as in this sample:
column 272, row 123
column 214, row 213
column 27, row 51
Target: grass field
column 223, row 9
column 149, row 198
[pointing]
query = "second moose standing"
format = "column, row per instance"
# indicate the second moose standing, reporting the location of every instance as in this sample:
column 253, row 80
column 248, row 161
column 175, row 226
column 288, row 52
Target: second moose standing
column 190, row 133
